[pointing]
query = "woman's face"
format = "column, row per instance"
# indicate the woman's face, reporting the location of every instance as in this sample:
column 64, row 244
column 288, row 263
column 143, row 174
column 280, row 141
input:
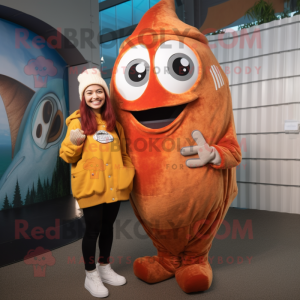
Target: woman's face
column 94, row 97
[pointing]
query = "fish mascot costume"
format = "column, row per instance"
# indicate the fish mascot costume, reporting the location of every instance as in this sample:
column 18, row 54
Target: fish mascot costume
column 173, row 100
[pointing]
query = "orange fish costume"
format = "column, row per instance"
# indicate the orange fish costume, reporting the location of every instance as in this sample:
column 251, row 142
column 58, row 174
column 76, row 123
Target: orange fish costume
column 173, row 100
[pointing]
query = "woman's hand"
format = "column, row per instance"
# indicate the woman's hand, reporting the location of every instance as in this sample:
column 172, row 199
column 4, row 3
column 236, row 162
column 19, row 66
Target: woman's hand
column 77, row 137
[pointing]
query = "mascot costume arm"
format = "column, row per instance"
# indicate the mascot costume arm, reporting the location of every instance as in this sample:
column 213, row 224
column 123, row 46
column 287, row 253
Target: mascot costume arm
column 226, row 154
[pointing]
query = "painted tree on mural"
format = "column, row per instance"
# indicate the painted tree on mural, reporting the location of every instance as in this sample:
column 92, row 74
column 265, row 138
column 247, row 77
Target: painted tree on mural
column 6, row 204
column 32, row 194
column 59, row 187
column 46, row 189
column 40, row 192
column 27, row 198
column 60, row 184
column 17, row 202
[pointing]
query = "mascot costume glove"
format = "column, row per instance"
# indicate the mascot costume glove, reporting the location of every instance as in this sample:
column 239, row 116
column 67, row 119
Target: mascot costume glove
column 206, row 153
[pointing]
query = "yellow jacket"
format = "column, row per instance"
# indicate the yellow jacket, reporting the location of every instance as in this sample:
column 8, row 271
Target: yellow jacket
column 100, row 173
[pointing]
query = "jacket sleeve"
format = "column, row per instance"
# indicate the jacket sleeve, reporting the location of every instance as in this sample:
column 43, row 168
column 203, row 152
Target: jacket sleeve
column 229, row 149
column 125, row 157
column 69, row 152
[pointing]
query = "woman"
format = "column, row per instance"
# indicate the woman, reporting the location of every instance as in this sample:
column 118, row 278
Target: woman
column 101, row 175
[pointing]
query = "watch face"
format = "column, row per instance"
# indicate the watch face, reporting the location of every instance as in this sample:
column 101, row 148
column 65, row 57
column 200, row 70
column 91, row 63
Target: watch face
column 103, row 137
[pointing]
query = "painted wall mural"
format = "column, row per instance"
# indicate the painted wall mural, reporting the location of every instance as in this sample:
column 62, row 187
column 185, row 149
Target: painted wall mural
column 33, row 109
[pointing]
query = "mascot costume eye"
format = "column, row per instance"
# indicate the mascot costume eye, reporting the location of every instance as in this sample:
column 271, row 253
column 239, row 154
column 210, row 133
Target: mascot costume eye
column 174, row 102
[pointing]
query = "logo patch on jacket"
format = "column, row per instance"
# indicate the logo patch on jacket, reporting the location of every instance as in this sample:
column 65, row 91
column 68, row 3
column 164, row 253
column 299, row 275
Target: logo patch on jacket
column 103, row 137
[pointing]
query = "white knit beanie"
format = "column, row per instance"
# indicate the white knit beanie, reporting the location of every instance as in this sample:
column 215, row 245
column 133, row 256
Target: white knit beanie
column 89, row 77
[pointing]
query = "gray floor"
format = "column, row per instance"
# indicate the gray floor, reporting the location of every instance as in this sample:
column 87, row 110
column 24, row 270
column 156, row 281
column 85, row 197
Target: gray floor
column 272, row 273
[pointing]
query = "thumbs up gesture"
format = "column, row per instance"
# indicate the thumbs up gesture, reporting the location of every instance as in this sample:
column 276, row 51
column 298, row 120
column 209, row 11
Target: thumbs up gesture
column 206, row 153
column 77, row 137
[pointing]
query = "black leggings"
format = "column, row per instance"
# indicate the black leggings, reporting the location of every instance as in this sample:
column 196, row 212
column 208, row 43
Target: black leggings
column 98, row 219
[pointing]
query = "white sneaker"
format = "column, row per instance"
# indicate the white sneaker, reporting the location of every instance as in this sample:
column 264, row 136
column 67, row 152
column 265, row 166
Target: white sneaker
column 94, row 285
column 108, row 275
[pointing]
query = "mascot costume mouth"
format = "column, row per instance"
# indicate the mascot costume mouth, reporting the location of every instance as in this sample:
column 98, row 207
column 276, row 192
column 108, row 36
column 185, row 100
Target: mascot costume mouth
column 173, row 100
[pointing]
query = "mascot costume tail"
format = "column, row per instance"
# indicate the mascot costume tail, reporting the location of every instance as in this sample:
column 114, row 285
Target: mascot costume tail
column 173, row 100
